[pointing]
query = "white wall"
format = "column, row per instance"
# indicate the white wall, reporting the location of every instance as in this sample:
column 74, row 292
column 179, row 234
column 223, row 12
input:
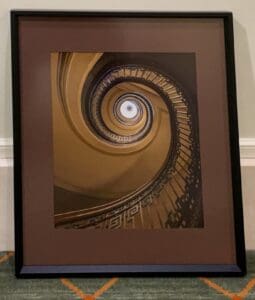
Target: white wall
column 244, row 28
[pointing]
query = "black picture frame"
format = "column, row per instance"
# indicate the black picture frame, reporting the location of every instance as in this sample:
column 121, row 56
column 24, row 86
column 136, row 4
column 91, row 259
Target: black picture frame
column 23, row 271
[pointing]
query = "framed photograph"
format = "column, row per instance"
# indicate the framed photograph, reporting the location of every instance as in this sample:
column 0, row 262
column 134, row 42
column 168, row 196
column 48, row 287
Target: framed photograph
column 126, row 148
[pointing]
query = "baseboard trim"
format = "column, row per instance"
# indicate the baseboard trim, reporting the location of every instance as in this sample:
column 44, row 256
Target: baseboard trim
column 247, row 152
column 6, row 153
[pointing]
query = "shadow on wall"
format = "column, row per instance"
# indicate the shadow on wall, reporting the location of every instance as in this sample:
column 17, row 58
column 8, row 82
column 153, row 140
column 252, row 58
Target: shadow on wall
column 248, row 187
column 6, row 170
column 245, row 81
column 6, row 84
column 6, row 209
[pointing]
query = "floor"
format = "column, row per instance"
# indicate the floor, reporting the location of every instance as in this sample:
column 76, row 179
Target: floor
column 124, row 288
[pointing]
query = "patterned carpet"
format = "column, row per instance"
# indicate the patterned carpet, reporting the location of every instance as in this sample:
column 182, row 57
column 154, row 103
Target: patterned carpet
column 125, row 288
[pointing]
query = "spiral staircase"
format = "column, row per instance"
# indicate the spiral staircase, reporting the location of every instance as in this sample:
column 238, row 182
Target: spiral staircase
column 126, row 145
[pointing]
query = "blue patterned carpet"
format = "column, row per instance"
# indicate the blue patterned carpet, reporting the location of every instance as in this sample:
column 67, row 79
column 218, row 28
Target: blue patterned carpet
column 124, row 288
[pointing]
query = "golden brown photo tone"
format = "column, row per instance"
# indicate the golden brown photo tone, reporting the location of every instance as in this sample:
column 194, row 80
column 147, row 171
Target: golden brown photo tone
column 125, row 141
